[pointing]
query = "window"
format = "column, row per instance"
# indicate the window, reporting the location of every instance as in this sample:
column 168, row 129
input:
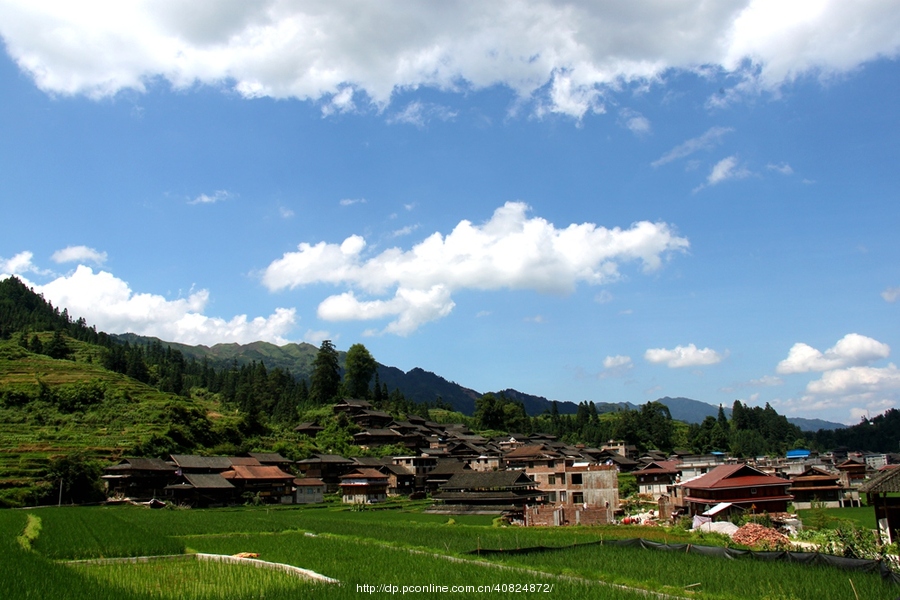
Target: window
column 752, row 491
column 551, row 479
column 578, row 498
column 551, row 497
column 576, row 478
column 562, row 478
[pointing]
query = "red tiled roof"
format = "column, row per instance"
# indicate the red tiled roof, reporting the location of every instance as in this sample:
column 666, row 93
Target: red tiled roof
column 734, row 476
column 660, row 466
column 531, row 451
column 256, row 472
column 364, row 473
column 309, row 482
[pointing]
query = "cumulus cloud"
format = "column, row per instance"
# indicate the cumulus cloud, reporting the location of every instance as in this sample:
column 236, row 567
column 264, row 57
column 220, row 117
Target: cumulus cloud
column 891, row 294
column 851, row 350
column 19, row 264
column 109, row 303
column 510, row 251
column 710, row 139
column 616, row 366
column 854, row 391
column 564, row 57
column 683, row 356
column 79, row 254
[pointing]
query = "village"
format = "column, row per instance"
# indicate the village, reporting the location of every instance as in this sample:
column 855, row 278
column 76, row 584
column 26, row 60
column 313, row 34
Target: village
column 530, row 480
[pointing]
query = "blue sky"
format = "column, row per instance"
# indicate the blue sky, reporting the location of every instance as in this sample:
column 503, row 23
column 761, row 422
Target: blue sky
column 607, row 203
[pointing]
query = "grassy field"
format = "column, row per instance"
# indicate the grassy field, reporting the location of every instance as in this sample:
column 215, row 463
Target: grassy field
column 374, row 548
column 863, row 516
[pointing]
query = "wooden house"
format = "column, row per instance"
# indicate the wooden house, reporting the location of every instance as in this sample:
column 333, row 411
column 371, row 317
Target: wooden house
column 730, row 488
column 272, row 459
column 202, row 490
column 191, row 463
column 268, row 483
column 489, row 491
column 138, row 478
column 327, row 467
column 853, row 473
column 364, row 485
column 815, row 484
column 308, row 429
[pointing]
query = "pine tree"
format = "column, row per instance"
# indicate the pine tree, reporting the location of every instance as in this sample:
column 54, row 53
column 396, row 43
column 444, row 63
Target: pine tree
column 325, row 380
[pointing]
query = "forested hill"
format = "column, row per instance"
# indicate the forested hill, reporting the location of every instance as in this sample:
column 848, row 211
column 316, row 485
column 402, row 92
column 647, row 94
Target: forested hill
column 67, row 390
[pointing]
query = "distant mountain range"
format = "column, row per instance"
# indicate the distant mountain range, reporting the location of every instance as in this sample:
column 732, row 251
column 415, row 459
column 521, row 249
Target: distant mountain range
column 424, row 386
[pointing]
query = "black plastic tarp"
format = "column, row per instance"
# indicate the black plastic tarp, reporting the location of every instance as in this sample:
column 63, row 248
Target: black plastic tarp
column 809, row 558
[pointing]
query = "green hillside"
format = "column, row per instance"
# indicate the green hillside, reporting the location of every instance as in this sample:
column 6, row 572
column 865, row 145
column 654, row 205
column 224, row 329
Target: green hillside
column 52, row 408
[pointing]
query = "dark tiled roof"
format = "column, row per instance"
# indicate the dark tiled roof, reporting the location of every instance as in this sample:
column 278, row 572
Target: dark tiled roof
column 142, row 464
column 325, row 458
column 192, row 461
column 475, row 480
column 208, row 482
column 887, row 481
column 268, row 457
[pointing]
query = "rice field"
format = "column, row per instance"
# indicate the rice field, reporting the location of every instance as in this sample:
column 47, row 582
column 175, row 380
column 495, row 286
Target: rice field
column 374, row 552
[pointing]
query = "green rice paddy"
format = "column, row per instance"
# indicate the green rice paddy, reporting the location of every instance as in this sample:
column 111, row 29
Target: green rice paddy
column 373, row 553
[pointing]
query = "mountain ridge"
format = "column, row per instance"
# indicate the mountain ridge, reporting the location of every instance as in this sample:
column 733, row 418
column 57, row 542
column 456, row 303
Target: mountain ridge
column 421, row 385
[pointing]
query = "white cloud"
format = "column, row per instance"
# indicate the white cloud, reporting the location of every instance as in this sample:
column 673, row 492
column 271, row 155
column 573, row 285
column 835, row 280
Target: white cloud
column 603, row 297
column 79, row 254
column 725, row 169
column 564, row 57
column 509, row 251
column 783, row 168
column 285, row 213
column 851, row 350
column 404, row 231
column 855, row 391
column 616, row 366
column 891, row 294
column 352, row 201
column 634, row 121
column 683, row 356
column 420, row 113
column 217, row 196
column 316, row 337
column 766, row 381
column 19, row 264
column 109, row 303
column 710, row 139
